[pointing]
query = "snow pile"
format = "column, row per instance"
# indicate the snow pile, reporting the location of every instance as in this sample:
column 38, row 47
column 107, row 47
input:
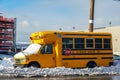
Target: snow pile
column 6, row 67
column 6, row 63
column 61, row 71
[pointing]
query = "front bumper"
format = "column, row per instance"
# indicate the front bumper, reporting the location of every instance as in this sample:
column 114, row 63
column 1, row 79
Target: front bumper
column 20, row 65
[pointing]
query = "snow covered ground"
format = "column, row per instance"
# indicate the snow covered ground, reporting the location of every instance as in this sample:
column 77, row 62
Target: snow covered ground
column 7, row 69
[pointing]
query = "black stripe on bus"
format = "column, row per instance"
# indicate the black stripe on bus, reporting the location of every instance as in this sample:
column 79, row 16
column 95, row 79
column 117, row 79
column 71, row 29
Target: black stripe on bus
column 107, row 57
column 78, row 58
column 92, row 49
column 90, row 54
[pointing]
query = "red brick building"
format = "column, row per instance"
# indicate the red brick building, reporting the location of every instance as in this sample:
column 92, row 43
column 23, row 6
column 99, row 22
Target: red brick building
column 7, row 33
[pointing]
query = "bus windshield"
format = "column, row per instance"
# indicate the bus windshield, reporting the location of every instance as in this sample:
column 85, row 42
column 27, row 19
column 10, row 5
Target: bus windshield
column 32, row 48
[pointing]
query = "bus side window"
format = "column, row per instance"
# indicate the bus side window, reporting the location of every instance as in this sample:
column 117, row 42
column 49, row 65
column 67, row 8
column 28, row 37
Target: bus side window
column 67, row 43
column 47, row 49
column 89, row 43
column 79, row 43
column 98, row 43
column 106, row 43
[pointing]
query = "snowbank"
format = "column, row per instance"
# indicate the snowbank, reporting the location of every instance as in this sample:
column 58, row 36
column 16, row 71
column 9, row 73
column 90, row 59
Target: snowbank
column 6, row 63
column 116, row 53
column 6, row 67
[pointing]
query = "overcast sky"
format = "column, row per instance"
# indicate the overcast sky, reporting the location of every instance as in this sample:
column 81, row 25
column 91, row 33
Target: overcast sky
column 40, row 15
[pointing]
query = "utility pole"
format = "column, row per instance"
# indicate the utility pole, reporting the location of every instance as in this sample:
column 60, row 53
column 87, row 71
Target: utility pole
column 91, row 18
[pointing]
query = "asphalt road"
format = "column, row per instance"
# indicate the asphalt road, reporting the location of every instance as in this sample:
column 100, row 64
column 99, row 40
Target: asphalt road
column 115, row 77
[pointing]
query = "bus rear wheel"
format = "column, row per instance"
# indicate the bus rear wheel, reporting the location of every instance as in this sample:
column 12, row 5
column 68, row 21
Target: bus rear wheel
column 91, row 64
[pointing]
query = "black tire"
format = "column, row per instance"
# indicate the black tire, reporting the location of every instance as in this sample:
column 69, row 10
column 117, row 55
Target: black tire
column 1, row 59
column 91, row 65
column 36, row 65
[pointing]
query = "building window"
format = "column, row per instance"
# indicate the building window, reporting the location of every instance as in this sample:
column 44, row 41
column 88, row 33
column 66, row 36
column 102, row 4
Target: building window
column 89, row 43
column 79, row 43
column 98, row 43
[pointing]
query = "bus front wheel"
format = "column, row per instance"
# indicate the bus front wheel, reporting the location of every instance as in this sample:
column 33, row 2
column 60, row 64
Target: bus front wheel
column 34, row 64
column 91, row 64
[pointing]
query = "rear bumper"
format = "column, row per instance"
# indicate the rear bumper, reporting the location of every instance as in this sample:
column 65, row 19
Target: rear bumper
column 20, row 65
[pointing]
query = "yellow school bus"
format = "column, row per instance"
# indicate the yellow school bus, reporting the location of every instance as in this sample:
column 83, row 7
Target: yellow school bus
column 67, row 49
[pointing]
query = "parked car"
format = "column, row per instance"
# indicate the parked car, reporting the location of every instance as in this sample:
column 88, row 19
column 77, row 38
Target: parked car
column 6, row 54
column 116, row 59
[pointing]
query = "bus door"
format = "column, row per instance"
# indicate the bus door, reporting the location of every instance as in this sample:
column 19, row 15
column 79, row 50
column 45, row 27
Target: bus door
column 48, row 56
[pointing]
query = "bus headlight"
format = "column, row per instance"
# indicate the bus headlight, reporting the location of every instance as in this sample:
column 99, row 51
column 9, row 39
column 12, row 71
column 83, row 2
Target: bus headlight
column 20, row 60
